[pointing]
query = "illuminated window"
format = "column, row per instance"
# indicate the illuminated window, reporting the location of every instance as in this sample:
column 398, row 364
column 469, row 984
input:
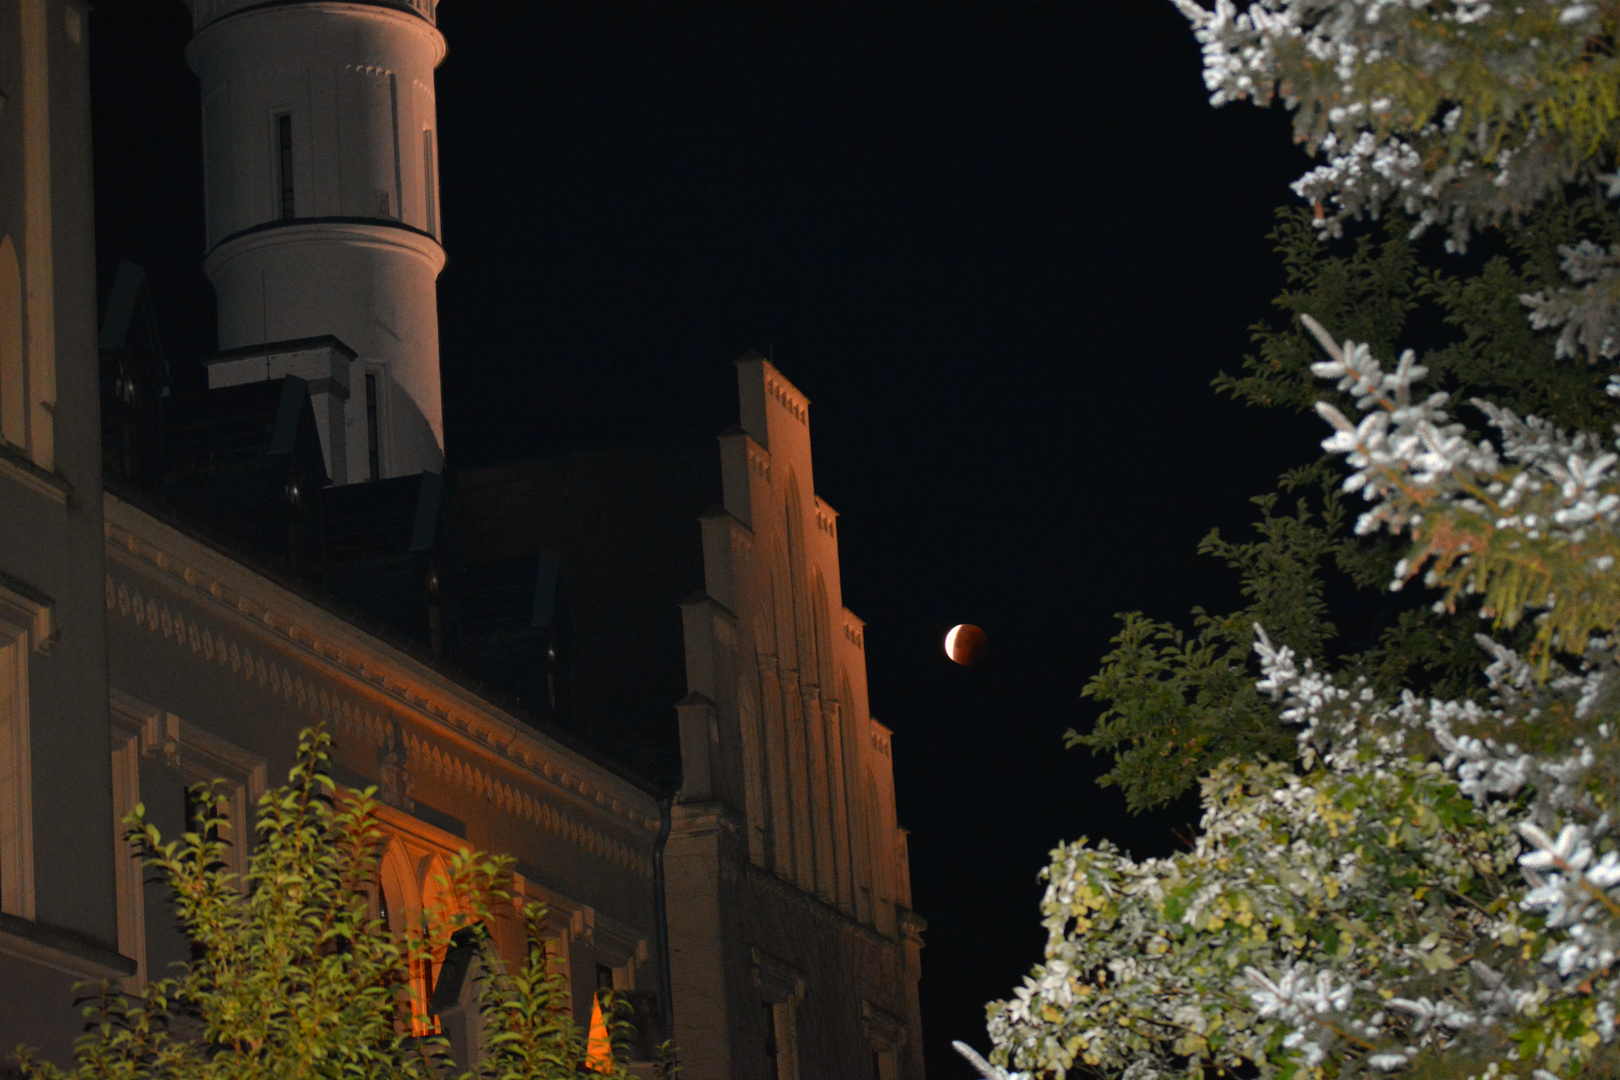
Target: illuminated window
column 284, row 166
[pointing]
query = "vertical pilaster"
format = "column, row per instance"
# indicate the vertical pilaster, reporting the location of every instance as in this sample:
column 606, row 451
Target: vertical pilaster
column 804, row 865
column 39, row 272
column 697, row 945
column 781, row 800
column 815, row 730
column 838, row 805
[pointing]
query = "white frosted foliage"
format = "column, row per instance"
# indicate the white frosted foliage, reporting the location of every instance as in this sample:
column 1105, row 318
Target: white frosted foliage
column 1433, row 884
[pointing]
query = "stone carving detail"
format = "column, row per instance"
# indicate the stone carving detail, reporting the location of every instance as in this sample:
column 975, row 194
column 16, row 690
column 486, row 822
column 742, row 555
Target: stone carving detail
column 394, row 785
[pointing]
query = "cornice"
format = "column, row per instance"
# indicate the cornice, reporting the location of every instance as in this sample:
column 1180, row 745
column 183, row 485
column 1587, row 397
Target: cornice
column 462, row 737
column 764, row 879
column 787, row 395
column 60, row 950
column 207, row 15
column 376, row 232
column 25, row 473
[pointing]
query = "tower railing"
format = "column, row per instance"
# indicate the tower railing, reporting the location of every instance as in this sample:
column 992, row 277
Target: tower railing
column 204, row 12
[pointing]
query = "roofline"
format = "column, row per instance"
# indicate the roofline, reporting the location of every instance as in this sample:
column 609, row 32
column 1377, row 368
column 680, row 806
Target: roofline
column 371, row 627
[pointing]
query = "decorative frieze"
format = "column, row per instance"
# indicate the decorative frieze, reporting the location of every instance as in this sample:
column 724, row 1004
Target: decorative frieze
column 759, row 461
column 880, row 739
column 270, row 671
column 789, row 398
column 348, row 719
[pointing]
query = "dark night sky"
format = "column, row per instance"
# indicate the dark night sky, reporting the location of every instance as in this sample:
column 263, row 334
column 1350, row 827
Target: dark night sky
column 1003, row 247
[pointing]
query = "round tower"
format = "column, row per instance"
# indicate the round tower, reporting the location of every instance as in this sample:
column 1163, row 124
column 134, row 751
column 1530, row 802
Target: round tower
column 321, row 178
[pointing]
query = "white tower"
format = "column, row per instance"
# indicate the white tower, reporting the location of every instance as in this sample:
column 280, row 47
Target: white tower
column 321, row 177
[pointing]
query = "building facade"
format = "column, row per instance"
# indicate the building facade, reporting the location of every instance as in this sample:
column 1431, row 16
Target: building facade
column 789, row 889
column 630, row 669
column 58, row 919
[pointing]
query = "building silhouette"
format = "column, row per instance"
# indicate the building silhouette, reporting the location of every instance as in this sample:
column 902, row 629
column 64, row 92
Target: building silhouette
column 630, row 668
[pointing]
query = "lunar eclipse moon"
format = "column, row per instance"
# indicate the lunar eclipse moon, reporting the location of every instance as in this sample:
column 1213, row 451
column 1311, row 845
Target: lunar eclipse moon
column 966, row 644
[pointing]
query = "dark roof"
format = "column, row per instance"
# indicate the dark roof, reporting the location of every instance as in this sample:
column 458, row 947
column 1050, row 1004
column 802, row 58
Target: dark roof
column 622, row 524
column 253, row 470
column 550, row 587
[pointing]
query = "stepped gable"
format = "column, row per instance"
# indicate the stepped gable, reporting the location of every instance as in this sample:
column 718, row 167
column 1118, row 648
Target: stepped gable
column 621, row 525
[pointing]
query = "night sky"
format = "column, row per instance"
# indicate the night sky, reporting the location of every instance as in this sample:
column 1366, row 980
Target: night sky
column 1002, row 246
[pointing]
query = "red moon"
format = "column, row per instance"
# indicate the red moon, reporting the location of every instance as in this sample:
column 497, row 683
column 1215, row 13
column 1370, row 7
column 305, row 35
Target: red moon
column 966, row 644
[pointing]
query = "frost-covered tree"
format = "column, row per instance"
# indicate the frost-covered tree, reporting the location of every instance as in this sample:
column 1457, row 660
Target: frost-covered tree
column 296, row 976
column 1178, row 701
column 1430, row 885
column 1435, row 887
column 1462, row 113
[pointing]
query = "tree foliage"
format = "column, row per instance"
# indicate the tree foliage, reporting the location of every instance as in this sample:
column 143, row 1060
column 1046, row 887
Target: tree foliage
column 1429, row 885
column 295, row 977
column 1177, row 703
column 1180, row 704
column 1462, row 113
column 1435, row 887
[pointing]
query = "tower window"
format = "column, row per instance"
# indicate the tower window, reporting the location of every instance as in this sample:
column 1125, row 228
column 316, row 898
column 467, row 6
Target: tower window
column 373, row 450
column 284, row 165
column 430, row 191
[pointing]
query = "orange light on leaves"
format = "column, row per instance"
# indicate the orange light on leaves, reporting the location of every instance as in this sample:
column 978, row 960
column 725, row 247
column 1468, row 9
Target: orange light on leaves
column 599, row 1044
